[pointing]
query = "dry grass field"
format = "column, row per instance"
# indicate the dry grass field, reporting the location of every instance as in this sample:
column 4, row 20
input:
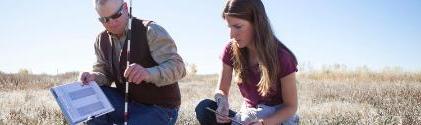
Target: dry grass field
column 327, row 96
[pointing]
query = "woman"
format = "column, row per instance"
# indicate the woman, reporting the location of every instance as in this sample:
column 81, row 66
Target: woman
column 264, row 70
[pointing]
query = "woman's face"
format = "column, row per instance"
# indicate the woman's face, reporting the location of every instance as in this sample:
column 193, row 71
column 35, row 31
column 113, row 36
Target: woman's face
column 241, row 31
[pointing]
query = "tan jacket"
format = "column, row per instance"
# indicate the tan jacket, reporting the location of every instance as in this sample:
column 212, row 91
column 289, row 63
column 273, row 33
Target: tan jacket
column 171, row 67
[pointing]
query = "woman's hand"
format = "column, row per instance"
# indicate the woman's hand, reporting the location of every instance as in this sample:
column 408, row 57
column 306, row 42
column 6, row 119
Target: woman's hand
column 223, row 108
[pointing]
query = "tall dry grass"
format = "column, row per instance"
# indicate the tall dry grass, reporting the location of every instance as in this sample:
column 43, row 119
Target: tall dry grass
column 335, row 95
column 328, row 96
column 196, row 88
column 25, row 81
column 25, row 98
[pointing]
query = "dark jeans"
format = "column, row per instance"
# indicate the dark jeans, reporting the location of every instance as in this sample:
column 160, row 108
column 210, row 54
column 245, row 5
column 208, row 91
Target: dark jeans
column 206, row 117
column 139, row 114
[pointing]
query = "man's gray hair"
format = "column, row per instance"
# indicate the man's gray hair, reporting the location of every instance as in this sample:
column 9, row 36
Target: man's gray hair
column 99, row 3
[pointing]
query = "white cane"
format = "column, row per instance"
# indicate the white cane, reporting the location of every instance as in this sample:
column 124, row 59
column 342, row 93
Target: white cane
column 129, row 37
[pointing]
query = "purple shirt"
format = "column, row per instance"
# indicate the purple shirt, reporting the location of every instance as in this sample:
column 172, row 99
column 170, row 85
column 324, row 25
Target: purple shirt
column 249, row 89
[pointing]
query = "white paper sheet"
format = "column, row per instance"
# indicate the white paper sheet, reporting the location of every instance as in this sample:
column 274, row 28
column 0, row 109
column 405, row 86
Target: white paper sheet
column 80, row 102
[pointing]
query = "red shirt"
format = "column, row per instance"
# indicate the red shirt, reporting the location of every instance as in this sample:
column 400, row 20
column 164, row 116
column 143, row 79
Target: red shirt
column 249, row 89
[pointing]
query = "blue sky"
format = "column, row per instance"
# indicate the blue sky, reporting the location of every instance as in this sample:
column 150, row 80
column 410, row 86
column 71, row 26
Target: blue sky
column 50, row 36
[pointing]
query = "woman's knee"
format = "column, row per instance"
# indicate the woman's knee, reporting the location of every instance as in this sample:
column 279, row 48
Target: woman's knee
column 203, row 115
column 293, row 120
column 202, row 105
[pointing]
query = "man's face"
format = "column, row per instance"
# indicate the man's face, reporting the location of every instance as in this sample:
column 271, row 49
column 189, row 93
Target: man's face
column 113, row 17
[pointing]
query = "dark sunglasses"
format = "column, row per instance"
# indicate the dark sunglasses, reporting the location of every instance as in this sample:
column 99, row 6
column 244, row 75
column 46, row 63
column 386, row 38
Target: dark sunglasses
column 114, row 16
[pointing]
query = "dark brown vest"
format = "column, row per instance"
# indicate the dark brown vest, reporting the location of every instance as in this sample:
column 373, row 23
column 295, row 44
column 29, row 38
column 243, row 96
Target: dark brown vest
column 145, row 93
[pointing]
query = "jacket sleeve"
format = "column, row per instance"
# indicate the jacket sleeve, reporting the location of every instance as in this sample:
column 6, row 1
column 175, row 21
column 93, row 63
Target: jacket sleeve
column 99, row 67
column 170, row 66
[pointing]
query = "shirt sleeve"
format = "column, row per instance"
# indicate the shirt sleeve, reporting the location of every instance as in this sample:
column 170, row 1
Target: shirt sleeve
column 170, row 66
column 99, row 67
column 226, row 55
column 288, row 63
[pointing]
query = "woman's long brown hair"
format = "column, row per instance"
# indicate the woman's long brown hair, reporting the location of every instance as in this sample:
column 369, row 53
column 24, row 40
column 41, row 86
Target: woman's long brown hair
column 266, row 44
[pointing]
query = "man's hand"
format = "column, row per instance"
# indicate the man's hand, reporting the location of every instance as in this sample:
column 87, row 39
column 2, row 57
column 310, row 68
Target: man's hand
column 136, row 73
column 86, row 77
column 223, row 108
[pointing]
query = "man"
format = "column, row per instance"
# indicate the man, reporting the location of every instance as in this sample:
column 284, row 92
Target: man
column 155, row 67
